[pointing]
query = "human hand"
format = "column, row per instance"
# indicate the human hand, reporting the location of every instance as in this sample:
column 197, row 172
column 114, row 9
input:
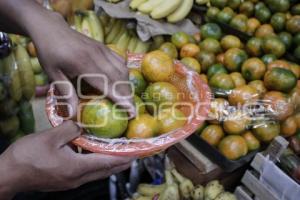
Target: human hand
column 65, row 54
column 45, row 162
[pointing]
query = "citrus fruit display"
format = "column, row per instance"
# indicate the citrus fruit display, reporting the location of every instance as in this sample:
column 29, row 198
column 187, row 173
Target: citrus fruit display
column 157, row 66
column 102, row 118
column 233, row 147
column 236, row 123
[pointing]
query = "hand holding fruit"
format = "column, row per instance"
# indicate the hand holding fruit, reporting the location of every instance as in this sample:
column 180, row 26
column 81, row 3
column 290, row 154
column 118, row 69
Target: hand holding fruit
column 45, row 162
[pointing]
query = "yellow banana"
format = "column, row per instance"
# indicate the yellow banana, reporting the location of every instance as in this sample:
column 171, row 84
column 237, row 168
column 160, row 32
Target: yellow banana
column 132, row 44
column 26, row 73
column 150, row 190
column 165, row 8
column 134, row 4
column 123, row 41
column 142, row 47
column 149, row 6
column 114, row 32
column 96, row 26
column 181, row 12
column 86, row 28
column 11, row 71
column 78, row 22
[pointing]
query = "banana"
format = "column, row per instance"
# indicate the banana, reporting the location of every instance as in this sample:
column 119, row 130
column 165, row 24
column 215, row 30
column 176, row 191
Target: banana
column 134, row 4
column 149, row 6
column 11, row 71
column 86, row 28
column 142, row 47
column 122, row 30
column 181, row 12
column 150, row 190
column 114, row 32
column 104, row 19
column 123, row 41
column 110, row 25
column 78, row 22
column 132, row 44
column 25, row 72
column 36, row 66
column 165, row 8
column 96, row 26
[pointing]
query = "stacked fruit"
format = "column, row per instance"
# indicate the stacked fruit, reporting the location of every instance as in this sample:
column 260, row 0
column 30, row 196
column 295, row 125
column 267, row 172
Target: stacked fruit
column 154, row 99
column 177, row 187
column 174, row 11
column 260, row 18
column 17, row 87
column 239, row 77
column 113, row 32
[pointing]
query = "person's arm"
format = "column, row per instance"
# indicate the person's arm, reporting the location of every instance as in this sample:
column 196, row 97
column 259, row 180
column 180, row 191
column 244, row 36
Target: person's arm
column 64, row 53
column 45, row 162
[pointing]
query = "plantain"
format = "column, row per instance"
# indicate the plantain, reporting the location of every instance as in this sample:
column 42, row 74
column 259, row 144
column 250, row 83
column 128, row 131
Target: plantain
column 14, row 82
column 25, row 72
column 104, row 19
column 149, row 6
column 150, row 190
column 134, row 4
column 165, row 9
column 36, row 66
column 142, row 47
column 86, row 28
column 181, row 12
column 124, row 41
column 114, row 32
column 118, row 36
column 78, row 22
column 109, row 26
column 132, row 44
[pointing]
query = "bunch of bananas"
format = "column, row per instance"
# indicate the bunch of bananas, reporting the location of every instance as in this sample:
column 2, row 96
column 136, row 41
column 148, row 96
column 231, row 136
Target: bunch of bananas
column 113, row 1
column 113, row 32
column 173, row 10
column 178, row 187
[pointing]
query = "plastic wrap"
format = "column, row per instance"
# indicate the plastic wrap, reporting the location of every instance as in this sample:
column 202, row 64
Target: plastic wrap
column 197, row 93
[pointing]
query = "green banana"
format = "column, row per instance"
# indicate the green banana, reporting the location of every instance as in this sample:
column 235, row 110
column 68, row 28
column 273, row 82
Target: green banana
column 142, row 47
column 95, row 25
column 149, row 6
column 121, row 32
column 181, row 12
column 114, row 32
column 11, row 71
column 110, row 25
column 134, row 4
column 36, row 66
column 78, row 22
column 165, row 9
column 132, row 44
column 86, row 28
column 25, row 72
column 123, row 41
column 26, row 117
column 9, row 126
column 104, row 19
column 150, row 190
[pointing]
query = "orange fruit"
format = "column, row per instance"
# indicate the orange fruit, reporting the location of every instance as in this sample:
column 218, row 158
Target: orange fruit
column 266, row 131
column 220, row 58
column 138, row 81
column 279, row 64
column 252, row 25
column 252, row 142
column 144, row 126
column 264, row 31
column 230, row 41
column 259, row 86
column 233, row 147
column 204, row 78
column 139, row 105
column 295, row 68
column 243, row 94
column 237, row 79
column 253, row 69
column 234, row 58
column 189, row 50
column 217, row 108
column 294, row 98
column 179, row 39
column 212, row 134
column 102, row 118
column 191, row 63
column 236, row 123
column 160, row 95
column 206, row 59
column 169, row 49
column 279, row 104
column 157, row 66
column 288, row 127
column 171, row 119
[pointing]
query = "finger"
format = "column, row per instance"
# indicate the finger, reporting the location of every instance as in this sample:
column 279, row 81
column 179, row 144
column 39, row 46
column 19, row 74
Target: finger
column 67, row 92
column 103, row 174
column 95, row 162
column 65, row 133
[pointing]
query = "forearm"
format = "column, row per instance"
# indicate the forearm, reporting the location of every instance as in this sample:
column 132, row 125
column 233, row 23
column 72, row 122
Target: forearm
column 26, row 17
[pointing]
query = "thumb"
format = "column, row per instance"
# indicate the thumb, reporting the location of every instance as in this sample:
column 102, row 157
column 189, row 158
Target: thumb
column 67, row 93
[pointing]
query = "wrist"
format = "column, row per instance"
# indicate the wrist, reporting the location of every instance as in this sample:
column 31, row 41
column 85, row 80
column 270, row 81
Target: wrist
column 7, row 182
